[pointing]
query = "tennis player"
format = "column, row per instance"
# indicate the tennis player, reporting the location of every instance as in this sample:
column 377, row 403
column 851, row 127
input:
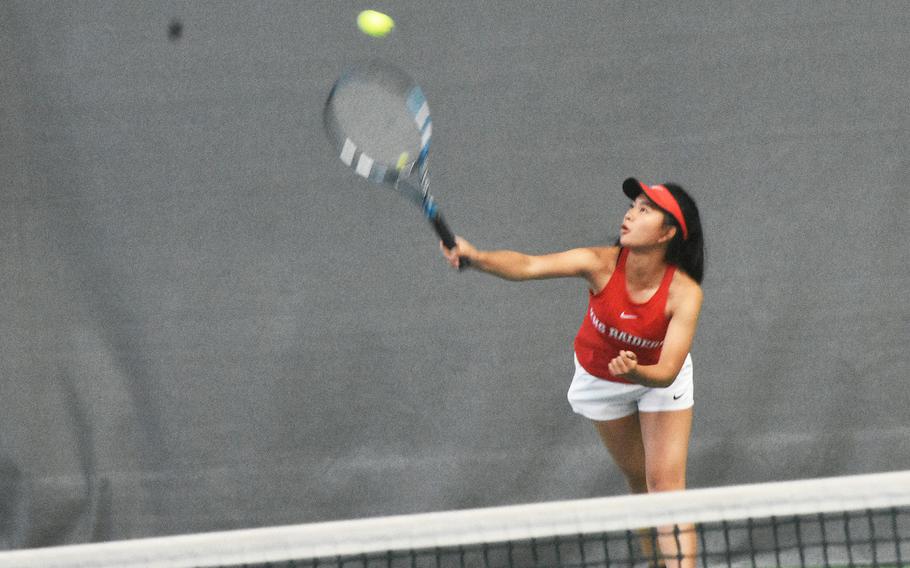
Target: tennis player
column 633, row 371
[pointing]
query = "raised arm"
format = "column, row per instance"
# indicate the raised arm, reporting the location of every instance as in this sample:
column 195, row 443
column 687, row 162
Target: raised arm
column 512, row 265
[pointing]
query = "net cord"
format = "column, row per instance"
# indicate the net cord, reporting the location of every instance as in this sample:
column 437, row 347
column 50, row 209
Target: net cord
column 489, row 525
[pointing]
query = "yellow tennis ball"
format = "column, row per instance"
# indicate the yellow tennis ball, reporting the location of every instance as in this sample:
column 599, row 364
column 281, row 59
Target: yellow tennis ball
column 374, row 23
column 402, row 161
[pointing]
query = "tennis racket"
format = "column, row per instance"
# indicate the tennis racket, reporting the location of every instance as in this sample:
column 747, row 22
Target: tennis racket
column 378, row 119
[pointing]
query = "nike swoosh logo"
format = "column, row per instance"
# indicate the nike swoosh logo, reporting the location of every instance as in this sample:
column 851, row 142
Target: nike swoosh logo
column 678, row 397
column 625, row 316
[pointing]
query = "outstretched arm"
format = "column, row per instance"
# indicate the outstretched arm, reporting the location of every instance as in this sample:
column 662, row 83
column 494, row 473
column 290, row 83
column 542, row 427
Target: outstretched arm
column 512, row 265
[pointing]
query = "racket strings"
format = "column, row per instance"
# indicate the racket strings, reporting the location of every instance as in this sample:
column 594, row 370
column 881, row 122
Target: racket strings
column 380, row 121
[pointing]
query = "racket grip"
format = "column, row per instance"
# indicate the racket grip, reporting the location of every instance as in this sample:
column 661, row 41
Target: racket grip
column 442, row 229
column 448, row 238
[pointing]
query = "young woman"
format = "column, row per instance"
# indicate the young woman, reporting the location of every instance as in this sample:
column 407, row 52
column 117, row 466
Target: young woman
column 633, row 372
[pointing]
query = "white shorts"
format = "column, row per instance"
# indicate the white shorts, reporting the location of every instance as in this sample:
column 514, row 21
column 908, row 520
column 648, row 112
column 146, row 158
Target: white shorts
column 599, row 399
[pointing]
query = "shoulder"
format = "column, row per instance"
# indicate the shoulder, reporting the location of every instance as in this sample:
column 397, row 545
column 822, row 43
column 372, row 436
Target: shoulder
column 608, row 255
column 594, row 259
column 602, row 255
column 685, row 294
column 584, row 262
column 605, row 259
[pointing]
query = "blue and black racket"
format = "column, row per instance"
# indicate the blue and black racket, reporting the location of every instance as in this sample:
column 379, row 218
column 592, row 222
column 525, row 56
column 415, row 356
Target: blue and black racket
column 379, row 121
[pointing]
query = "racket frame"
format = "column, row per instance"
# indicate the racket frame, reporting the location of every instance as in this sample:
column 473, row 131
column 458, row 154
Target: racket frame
column 402, row 178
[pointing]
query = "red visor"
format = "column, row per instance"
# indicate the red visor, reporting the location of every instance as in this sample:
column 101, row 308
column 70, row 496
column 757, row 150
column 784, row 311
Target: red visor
column 661, row 197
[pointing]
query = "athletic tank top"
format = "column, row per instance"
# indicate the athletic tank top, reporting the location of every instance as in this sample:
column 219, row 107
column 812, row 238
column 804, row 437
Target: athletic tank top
column 613, row 322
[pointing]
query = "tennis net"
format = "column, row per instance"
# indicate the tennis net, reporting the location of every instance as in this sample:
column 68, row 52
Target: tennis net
column 832, row 522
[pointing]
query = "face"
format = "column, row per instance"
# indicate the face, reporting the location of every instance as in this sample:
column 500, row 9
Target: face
column 643, row 225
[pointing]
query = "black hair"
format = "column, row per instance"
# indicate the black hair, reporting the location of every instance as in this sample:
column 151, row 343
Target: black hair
column 687, row 254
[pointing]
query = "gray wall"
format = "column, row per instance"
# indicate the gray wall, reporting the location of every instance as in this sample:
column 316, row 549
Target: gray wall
column 208, row 323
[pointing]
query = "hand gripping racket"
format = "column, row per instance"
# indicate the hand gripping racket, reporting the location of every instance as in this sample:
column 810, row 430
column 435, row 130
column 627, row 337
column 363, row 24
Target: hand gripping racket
column 378, row 119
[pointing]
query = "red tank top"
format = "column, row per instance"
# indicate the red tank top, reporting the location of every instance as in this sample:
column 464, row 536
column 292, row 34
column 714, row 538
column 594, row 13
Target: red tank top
column 613, row 322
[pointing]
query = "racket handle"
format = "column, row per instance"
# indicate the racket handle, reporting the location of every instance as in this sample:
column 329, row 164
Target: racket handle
column 442, row 229
column 448, row 238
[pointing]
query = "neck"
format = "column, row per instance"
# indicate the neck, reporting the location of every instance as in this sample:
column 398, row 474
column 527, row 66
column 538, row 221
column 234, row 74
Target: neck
column 645, row 266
